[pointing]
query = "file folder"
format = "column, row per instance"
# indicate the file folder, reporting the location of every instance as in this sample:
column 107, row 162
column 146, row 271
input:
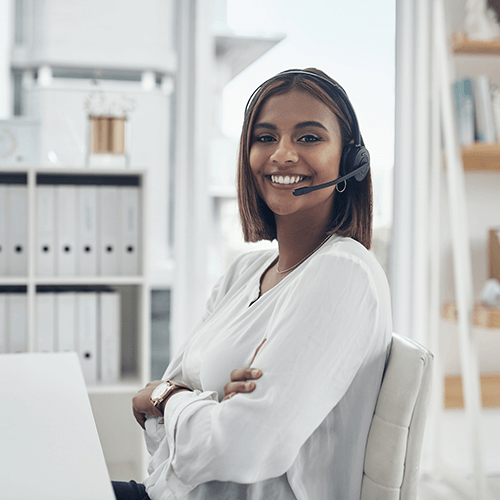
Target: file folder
column 86, row 253
column 66, row 230
column 129, row 230
column 17, row 230
column 17, row 326
column 65, row 310
column 108, row 231
column 87, row 334
column 45, row 321
column 45, row 230
column 3, row 229
column 109, row 336
column 3, row 322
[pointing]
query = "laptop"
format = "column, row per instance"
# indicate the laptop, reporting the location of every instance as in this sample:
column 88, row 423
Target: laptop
column 49, row 446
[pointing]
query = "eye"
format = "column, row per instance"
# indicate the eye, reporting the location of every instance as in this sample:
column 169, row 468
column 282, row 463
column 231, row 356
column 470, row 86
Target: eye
column 310, row 138
column 264, row 138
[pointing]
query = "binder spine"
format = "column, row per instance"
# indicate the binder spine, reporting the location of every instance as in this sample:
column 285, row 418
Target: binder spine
column 17, row 229
column 3, row 322
column 65, row 310
column 109, row 337
column 45, row 231
column 45, row 324
column 87, row 231
column 87, row 334
column 3, row 229
column 66, row 230
column 17, row 327
column 109, row 226
column 129, row 234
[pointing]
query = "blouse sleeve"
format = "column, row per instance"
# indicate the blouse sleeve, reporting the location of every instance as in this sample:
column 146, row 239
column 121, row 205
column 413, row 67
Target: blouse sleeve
column 318, row 336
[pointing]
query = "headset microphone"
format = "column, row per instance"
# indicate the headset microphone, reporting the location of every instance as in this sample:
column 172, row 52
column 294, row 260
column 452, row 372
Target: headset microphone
column 359, row 174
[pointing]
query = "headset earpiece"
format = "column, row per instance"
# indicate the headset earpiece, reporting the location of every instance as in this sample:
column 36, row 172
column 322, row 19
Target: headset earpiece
column 355, row 157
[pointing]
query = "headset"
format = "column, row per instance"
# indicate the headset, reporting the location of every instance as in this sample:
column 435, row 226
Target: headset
column 355, row 158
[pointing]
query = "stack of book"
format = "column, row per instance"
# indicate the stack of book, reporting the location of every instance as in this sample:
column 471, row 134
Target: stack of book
column 478, row 110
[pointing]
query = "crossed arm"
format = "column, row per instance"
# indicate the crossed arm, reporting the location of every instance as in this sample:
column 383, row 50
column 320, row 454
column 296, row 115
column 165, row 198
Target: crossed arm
column 241, row 381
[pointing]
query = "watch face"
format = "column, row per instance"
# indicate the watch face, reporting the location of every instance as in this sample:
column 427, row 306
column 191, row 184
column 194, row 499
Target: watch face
column 159, row 390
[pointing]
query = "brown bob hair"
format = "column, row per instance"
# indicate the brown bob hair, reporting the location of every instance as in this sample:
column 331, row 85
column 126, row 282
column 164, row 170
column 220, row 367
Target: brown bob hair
column 352, row 209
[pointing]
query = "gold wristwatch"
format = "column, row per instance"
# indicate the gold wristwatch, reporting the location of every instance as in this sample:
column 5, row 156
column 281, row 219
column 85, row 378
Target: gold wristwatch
column 162, row 391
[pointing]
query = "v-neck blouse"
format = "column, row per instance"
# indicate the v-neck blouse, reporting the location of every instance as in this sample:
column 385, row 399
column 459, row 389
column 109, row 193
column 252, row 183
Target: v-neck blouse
column 302, row 432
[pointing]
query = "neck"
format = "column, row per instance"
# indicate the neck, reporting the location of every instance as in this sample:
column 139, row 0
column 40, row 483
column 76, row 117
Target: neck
column 297, row 238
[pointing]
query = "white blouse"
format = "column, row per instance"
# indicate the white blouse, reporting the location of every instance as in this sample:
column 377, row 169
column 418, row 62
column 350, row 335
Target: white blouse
column 301, row 434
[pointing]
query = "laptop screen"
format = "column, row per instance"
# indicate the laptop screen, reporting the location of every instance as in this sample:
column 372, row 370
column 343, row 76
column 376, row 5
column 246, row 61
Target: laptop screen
column 49, row 447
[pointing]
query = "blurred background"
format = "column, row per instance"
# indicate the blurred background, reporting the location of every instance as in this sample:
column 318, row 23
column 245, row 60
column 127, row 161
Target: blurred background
column 119, row 129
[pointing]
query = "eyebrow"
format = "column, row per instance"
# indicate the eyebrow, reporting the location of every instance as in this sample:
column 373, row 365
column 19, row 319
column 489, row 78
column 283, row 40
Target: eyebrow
column 270, row 126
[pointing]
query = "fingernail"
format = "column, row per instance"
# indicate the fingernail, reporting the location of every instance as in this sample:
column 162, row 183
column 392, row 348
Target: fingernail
column 250, row 385
column 255, row 372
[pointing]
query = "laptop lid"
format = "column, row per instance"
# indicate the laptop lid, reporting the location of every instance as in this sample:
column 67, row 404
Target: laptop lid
column 49, row 446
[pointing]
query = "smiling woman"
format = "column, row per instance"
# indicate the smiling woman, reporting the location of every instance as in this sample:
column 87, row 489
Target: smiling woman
column 272, row 395
column 325, row 130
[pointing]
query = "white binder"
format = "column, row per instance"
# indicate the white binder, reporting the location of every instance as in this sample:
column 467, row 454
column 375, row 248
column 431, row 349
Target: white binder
column 3, row 230
column 45, row 322
column 109, row 337
column 129, row 230
column 86, row 252
column 66, row 230
column 17, row 326
column 17, row 230
column 65, row 310
column 45, row 230
column 108, row 231
column 3, row 322
column 87, row 334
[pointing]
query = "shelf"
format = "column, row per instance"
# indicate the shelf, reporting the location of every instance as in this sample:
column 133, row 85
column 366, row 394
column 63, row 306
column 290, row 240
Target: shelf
column 484, row 316
column 480, row 156
column 89, row 280
column 74, row 280
column 490, row 391
column 463, row 45
column 13, row 280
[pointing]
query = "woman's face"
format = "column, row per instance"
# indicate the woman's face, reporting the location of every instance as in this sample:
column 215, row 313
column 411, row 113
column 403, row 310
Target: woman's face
column 296, row 142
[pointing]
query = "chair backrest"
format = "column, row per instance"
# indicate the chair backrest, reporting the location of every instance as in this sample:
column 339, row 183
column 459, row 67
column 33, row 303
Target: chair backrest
column 394, row 445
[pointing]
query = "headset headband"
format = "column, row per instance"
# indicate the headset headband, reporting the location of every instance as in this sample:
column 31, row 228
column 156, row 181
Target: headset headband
column 332, row 88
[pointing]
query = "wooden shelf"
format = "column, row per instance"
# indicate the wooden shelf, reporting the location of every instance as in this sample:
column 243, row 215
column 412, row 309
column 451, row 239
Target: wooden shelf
column 480, row 156
column 490, row 391
column 484, row 316
column 463, row 45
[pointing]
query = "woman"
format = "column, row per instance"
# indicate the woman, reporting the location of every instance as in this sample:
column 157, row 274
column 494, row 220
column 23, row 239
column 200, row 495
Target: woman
column 272, row 395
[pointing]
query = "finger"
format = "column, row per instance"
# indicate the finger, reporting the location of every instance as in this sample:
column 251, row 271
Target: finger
column 141, row 419
column 245, row 374
column 229, row 396
column 239, row 387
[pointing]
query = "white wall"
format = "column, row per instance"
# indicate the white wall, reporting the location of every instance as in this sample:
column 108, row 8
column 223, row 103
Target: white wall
column 119, row 33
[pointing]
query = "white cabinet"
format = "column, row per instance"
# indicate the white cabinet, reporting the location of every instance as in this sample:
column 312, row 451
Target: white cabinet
column 59, row 211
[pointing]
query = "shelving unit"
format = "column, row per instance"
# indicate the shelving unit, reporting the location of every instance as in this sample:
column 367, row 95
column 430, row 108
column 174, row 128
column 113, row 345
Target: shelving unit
column 121, row 436
column 452, row 59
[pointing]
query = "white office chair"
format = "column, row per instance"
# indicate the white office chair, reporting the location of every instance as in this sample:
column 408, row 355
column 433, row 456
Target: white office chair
column 394, row 445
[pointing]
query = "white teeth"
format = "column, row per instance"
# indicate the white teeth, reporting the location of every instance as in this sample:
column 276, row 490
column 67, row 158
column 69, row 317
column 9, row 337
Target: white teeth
column 279, row 179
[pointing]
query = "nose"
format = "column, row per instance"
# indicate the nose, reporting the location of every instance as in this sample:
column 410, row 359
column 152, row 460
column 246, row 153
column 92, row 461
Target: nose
column 285, row 152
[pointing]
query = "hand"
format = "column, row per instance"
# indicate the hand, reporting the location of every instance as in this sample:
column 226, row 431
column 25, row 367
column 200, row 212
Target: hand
column 241, row 381
column 142, row 406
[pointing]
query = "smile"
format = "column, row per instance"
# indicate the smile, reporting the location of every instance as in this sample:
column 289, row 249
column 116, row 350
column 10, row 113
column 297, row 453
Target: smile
column 287, row 179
